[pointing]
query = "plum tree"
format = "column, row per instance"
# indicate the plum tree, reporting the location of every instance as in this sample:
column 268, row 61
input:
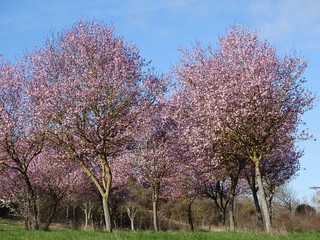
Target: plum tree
column 90, row 88
column 244, row 94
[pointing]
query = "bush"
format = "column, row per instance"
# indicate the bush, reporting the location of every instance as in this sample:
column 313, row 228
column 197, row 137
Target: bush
column 305, row 210
column 297, row 222
column 4, row 212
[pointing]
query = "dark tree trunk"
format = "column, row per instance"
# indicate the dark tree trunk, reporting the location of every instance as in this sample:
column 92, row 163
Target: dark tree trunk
column 251, row 179
column 53, row 211
column 32, row 200
column 234, row 182
column 220, row 201
column 190, row 220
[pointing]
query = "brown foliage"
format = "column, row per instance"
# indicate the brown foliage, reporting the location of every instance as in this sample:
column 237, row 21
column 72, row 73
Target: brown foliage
column 297, row 222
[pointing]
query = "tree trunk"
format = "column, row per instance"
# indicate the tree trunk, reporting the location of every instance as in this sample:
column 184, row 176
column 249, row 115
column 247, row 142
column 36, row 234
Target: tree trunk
column 257, row 205
column 155, row 210
column 269, row 204
column 234, row 182
column 131, row 214
column 67, row 215
column 155, row 215
column 104, row 189
column 264, row 205
column 269, row 198
column 35, row 212
column 25, row 210
column 190, row 220
column 90, row 218
column 220, row 202
column 106, row 211
column 232, row 226
column 86, row 217
column 87, row 209
column 132, row 224
column 74, row 216
column 32, row 200
column 51, row 215
column 251, row 179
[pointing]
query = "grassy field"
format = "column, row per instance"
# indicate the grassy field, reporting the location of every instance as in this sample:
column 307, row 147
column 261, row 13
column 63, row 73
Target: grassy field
column 14, row 230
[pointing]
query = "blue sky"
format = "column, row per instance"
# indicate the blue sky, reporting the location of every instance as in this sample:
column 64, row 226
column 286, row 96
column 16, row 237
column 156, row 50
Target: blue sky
column 160, row 27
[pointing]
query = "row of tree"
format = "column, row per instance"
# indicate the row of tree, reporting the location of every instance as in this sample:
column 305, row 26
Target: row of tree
column 84, row 114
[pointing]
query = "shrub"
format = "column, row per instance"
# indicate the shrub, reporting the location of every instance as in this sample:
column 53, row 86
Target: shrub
column 305, row 210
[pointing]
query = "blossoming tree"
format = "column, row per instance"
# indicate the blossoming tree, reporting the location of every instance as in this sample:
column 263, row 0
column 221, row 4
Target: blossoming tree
column 91, row 88
column 245, row 94
column 21, row 138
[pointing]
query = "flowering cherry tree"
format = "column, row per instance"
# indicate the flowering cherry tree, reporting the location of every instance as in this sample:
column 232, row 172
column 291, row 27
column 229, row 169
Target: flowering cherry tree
column 14, row 196
column 91, row 88
column 21, row 138
column 157, row 157
column 54, row 181
column 245, row 94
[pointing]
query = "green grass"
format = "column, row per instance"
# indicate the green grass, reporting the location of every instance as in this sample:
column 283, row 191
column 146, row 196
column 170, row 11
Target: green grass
column 14, row 230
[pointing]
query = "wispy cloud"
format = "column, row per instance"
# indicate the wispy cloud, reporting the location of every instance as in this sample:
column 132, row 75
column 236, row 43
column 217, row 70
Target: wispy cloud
column 145, row 6
column 287, row 18
column 162, row 17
